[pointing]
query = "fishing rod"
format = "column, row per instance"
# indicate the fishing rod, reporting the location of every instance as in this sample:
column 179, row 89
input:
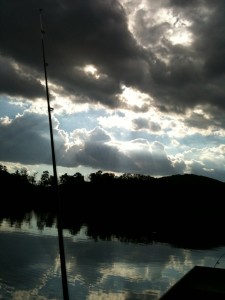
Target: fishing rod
column 218, row 260
column 55, row 177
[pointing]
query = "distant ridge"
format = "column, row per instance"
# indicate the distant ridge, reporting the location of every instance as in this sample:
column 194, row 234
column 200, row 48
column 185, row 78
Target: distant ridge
column 189, row 179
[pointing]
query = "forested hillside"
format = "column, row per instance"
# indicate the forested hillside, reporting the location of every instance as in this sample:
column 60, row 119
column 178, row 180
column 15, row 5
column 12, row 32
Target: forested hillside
column 130, row 206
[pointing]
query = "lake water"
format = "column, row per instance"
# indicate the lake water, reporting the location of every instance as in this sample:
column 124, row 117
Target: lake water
column 96, row 269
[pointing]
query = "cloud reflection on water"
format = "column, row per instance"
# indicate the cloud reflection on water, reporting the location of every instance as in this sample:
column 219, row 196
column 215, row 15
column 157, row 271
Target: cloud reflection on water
column 30, row 266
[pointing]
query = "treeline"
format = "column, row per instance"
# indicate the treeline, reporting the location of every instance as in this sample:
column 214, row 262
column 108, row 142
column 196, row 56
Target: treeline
column 46, row 180
column 129, row 206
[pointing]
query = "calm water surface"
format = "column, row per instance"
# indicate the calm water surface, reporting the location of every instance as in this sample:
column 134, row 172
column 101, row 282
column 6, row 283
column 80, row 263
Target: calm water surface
column 30, row 266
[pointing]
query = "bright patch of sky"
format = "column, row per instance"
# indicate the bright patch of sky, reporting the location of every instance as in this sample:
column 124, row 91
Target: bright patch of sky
column 90, row 69
column 10, row 107
column 84, row 119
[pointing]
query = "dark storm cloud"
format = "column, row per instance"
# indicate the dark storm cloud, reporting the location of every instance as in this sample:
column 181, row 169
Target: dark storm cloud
column 97, row 90
column 183, row 2
column 201, row 169
column 142, row 123
column 154, row 162
column 26, row 140
column 105, row 157
column 96, row 32
column 78, row 33
column 102, row 156
column 96, row 152
column 200, row 121
column 17, row 81
column 194, row 73
column 209, row 49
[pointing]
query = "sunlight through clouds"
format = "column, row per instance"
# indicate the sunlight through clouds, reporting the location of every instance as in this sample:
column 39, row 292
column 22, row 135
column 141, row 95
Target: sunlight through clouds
column 90, row 69
column 180, row 37
column 177, row 32
column 133, row 97
column 115, row 120
column 5, row 120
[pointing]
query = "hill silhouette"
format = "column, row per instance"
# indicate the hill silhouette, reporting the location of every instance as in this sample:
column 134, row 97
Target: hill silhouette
column 183, row 209
column 189, row 179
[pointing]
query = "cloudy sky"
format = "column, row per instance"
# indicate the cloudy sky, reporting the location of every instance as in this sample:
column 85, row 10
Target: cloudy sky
column 137, row 86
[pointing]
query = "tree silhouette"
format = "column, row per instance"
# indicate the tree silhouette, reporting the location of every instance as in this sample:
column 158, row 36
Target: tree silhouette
column 46, row 179
column 66, row 179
